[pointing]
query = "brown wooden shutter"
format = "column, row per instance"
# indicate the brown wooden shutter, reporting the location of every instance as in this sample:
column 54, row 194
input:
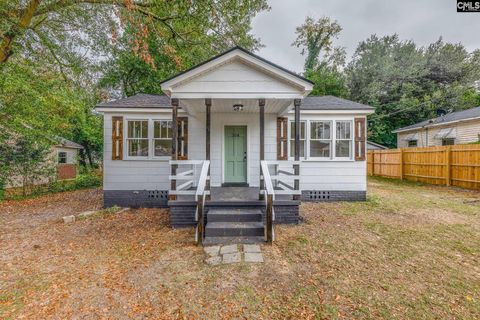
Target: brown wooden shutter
column 182, row 138
column 360, row 133
column 117, row 138
column 282, row 138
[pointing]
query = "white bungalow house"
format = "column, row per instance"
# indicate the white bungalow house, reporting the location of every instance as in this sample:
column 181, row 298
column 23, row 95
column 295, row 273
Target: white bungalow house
column 235, row 132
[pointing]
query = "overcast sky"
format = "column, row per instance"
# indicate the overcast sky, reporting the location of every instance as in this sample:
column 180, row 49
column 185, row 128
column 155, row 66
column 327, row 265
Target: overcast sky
column 423, row 21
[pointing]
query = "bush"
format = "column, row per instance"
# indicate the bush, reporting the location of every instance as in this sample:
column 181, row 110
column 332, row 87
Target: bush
column 89, row 180
column 82, row 181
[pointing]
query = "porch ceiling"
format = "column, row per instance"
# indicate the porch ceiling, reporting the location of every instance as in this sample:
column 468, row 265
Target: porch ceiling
column 226, row 105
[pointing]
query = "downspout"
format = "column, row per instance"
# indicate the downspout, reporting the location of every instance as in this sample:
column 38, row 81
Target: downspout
column 426, row 137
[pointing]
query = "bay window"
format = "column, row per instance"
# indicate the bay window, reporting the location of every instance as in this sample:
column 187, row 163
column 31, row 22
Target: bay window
column 137, row 138
column 320, row 139
column 343, row 139
column 162, row 138
column 302, row 138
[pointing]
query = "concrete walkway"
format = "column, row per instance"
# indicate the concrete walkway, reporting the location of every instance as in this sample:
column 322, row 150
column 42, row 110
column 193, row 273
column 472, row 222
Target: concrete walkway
column 233, row 253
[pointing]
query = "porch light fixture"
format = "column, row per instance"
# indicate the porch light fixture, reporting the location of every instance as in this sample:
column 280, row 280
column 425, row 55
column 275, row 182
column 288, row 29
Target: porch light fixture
column 238, row 107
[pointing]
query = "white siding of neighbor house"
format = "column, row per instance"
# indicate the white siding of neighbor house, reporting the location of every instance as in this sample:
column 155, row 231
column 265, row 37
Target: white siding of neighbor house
column 235, row 77
column 467, row 132
column 330, row 175
column 72, row 154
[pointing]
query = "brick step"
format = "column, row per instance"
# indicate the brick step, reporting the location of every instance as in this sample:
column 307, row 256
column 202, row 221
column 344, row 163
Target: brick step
column 234, row 229
column 234, row 215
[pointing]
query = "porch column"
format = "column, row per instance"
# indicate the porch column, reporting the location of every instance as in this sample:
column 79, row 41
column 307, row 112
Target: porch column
column 261, row 104
column 296, row 168
column 208, row 107
column 173, row 183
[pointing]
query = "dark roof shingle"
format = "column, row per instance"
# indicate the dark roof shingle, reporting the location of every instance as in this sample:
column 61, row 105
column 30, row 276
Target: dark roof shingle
column 331, row 103
column 140, row 100
column 162, row 101
column 450, row 117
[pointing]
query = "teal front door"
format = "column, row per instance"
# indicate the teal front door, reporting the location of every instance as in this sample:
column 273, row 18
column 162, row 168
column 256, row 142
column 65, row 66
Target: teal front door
column 235, row 154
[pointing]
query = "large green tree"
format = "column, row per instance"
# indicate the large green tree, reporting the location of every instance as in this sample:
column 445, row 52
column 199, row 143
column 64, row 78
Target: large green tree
column 407, row 84
column 141, row 60
column 323, row 60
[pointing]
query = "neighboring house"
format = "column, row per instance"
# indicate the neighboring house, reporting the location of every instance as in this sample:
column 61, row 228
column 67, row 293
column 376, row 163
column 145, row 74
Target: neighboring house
column 67, row 156
column 453, row 128
column 375, row 146
column 238, row 111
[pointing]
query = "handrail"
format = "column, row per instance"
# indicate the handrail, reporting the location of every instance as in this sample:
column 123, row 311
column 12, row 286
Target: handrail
column 200, row 195
column 282, row 179
column 269, row 193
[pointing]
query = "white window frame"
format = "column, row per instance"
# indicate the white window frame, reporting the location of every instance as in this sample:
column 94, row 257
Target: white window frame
column 333, row 156
column 126, row 139
column 332, row 139
column 350, row 156
column 290, row 139
column 150, row 138
column 152, row 147
column 66, row 157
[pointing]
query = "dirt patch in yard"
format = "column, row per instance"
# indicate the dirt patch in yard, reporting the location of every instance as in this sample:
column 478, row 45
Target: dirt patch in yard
column 409, row 252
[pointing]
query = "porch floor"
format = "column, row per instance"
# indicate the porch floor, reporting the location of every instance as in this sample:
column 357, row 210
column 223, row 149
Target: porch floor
column 234, row 193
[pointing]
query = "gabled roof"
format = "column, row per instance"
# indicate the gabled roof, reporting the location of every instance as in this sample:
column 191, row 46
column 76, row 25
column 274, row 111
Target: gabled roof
column 309, row 103
column 450, row 117
column 69, row 144
column 244, row 51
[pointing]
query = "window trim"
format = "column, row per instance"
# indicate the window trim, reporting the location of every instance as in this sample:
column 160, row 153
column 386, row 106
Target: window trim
column 126, row 138
column 333, row 156
column 290, row 139
column 150, row 120
column 351, row 152
column 152, row 148
column 450, row 139
column 332, row 139
column 409, row 146
column 58, row 157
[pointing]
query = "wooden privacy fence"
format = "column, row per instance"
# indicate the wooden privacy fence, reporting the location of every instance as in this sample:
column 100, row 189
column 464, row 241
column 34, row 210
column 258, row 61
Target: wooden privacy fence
column 457, row 165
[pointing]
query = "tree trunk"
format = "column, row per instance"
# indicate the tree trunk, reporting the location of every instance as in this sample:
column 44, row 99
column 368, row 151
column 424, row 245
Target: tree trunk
column 89, row 156
column 25, row 20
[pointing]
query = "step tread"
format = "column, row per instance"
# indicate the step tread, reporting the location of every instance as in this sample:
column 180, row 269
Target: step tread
column 234, row 225
column 233, row 211
column 229, row 240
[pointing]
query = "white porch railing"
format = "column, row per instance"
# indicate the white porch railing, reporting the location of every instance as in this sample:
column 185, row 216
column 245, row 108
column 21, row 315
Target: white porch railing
column 185, row 182
column 282, row 180
column 188, row 179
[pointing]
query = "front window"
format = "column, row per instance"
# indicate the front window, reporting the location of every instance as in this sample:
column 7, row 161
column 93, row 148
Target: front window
column 343, row 141
column 62, row 157
column 137, row 138
column 448, row 142
column 162, row 138
column 320, row 139
column 412, row 143
column 302, row 138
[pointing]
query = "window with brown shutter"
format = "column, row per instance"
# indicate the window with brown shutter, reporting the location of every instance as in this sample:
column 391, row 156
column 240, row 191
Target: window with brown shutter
column 360, row 133
column 182, row 138
column 282, row 138
column 117, row 138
